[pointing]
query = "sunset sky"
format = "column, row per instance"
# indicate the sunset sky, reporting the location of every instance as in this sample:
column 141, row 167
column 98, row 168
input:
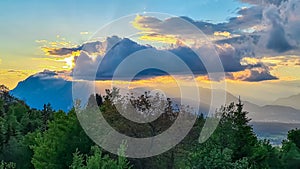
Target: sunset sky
column 258, row 41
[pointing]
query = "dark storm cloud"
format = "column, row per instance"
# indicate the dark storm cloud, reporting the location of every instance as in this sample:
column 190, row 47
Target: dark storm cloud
column 277, row 36
column 278, row 41
column 248, row 17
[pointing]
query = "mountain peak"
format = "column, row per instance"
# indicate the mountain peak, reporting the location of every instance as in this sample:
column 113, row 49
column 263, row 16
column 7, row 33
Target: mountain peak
column 45, row 87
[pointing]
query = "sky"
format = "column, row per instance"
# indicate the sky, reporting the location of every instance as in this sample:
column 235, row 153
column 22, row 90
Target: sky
column 32, row 31
column 24, row 23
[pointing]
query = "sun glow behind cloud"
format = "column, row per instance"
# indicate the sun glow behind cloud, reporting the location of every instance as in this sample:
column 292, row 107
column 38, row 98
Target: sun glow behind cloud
column 58, row 51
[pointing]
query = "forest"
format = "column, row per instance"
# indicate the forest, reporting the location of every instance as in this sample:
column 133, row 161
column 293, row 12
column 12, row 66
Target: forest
column 49, row 139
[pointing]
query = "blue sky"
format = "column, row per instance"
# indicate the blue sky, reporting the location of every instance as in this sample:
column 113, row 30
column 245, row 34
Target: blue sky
column 23, row 22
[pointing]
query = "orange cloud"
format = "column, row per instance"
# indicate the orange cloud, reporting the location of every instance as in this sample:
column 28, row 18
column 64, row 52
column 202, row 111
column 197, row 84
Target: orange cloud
column 249, row 60
column 284, row 67
column 57, row 47
column 252, row 75
column 148, row 33
column 203, row 79
column 170, row 39
column 225, row 34
column 240, row 75
column 138, row 24
column 47, row 51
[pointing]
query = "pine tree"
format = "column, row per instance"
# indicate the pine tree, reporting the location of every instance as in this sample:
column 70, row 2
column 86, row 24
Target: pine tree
column 244, row 137
column 47, row 114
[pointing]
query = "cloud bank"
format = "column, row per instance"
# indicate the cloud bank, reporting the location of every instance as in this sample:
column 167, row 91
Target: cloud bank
column 123, row 48
column 267, row 29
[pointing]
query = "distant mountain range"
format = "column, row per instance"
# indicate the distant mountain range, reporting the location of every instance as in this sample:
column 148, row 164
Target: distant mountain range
column 47, row 87
column 291, row 101
column 275, row 132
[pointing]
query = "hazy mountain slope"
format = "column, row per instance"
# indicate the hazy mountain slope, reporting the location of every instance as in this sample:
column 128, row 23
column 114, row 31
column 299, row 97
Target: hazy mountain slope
column 275, row 132
column 269, row 113
column 43, row 88
column 292, row 101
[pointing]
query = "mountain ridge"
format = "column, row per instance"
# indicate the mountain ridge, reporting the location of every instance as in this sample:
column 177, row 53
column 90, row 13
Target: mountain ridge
column 44, row 87
column 292, row 101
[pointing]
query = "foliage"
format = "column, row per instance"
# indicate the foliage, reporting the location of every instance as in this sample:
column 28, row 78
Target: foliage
column 291, row 151
column 5, row 165
column 98, row 161
column 55, row 146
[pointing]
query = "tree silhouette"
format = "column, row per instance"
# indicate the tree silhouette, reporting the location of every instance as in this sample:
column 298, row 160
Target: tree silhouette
column 47, row 114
